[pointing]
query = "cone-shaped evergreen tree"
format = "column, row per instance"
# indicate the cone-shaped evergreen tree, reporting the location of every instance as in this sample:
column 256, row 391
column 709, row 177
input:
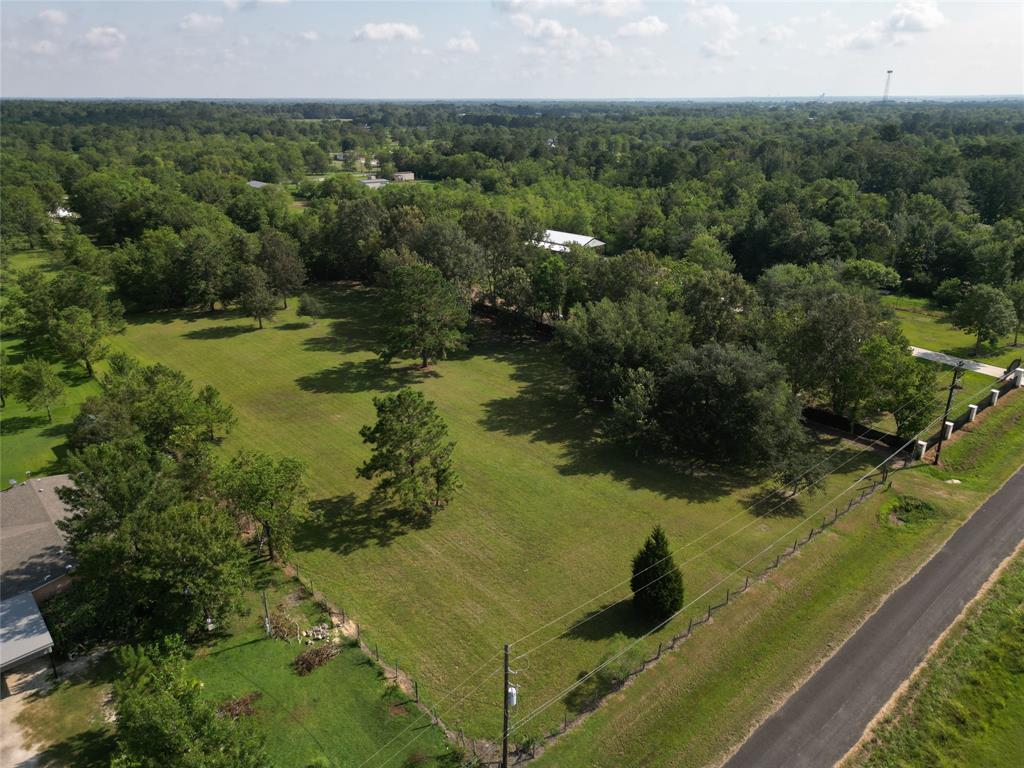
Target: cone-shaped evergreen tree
column 657, row 583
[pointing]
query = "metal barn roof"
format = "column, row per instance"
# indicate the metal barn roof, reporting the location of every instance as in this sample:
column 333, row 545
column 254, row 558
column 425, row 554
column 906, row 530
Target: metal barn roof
column 556, row 240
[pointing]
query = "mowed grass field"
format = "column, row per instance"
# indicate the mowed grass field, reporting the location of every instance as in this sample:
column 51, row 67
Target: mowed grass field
column 548, row 518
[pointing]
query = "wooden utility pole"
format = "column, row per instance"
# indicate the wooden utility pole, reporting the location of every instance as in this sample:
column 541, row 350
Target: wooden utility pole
column 949, row 402
column 504, row 727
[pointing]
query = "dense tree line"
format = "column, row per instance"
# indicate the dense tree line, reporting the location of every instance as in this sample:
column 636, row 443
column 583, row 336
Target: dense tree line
column 740, row 238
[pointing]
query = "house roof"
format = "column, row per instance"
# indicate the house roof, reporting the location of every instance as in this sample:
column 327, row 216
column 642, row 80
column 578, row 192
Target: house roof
column 257, row 184
column 32, row 545
column 23, row 632
column 556, row 240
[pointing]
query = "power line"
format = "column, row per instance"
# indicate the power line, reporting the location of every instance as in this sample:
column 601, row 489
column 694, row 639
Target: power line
column 534, row 713
column 690, row 544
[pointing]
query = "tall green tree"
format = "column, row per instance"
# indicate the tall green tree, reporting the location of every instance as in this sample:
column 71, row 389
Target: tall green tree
column 986, row 313
column 164, row 720
column 279, row 259
column 1015, row 292
column 271, row 493
column 257, row 300
column 427, row 316
column 214, row 412
column 79, row 336
column 657, row 583
column 37, row 386
column 150, row 557
column 412, row 456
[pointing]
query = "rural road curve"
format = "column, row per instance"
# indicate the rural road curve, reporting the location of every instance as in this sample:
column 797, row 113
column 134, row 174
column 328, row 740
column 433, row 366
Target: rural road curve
column 828, row 713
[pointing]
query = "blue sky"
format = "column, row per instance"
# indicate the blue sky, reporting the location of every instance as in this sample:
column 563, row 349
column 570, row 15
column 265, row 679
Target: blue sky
column 509, row 49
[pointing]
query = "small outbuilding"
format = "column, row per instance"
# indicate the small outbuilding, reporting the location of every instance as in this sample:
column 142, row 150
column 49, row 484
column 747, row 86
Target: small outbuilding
column 257, row 184
column 555, row 240
column 374, row 183
column 23, row 632
column 403, row 176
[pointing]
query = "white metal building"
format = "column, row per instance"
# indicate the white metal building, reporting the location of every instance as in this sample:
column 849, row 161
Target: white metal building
column 554, row 240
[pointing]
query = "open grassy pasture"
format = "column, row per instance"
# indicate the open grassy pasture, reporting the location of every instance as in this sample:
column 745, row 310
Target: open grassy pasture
column 548, row 518
column 967, row 706
column 927, row 326
column 699, row 702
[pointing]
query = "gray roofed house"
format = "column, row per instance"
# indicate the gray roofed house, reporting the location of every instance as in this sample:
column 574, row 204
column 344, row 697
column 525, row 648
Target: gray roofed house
column 35, row 565
column 257, row 184
column 32, row 545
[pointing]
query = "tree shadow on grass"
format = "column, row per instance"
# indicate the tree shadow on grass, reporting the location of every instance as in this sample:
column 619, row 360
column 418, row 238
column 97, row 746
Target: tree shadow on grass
column 13, row 424
column 219, row 332
column 345, row 525
column 291, row 326
column 611, row 619
column 89, row 749
column 363, row 376
column 547, row 409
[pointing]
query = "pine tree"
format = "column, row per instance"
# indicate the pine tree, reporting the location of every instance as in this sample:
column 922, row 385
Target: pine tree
column 657, row 583
column 411, row 453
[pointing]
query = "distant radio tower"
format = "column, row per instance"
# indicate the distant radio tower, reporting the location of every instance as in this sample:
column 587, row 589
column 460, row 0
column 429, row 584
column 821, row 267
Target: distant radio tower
column 888, row 80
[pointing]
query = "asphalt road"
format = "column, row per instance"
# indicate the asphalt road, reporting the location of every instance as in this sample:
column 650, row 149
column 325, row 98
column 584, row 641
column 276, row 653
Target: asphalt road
column 827, row 714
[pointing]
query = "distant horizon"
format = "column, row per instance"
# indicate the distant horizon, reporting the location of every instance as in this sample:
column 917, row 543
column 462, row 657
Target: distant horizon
column 511, row 49
column 952, row 98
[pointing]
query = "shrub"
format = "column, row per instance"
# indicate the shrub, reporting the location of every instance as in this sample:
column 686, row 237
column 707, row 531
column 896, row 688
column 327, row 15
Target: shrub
column 310, row 306
column 908, row 510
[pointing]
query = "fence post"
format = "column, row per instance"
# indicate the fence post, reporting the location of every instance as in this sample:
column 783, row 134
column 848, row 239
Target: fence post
column 746, row 583
column 709, row 613
column 779, row 557
column 726, row 595
column 689, row 628
column 659, row 651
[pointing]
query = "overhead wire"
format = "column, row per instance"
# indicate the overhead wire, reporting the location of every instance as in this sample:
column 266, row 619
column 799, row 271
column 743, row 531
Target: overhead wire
column 689, row 544
column 535, row 712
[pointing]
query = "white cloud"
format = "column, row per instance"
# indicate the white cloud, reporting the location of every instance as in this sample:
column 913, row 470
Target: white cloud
column 650, row 26
column 724, row 26
column 611, row 9
column 915, row 16
column 201, row 22
column 43, row 48
column 777, row 33
column 550, row 29
column 310, row 35
column 104, row 42
column 56, row 18
column 908, row 18
column 387, row 31
column 464, row 43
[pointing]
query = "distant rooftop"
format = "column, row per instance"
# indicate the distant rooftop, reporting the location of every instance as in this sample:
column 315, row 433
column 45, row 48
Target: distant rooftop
column 257, row 184
column 555, row 240
column 32, row 545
